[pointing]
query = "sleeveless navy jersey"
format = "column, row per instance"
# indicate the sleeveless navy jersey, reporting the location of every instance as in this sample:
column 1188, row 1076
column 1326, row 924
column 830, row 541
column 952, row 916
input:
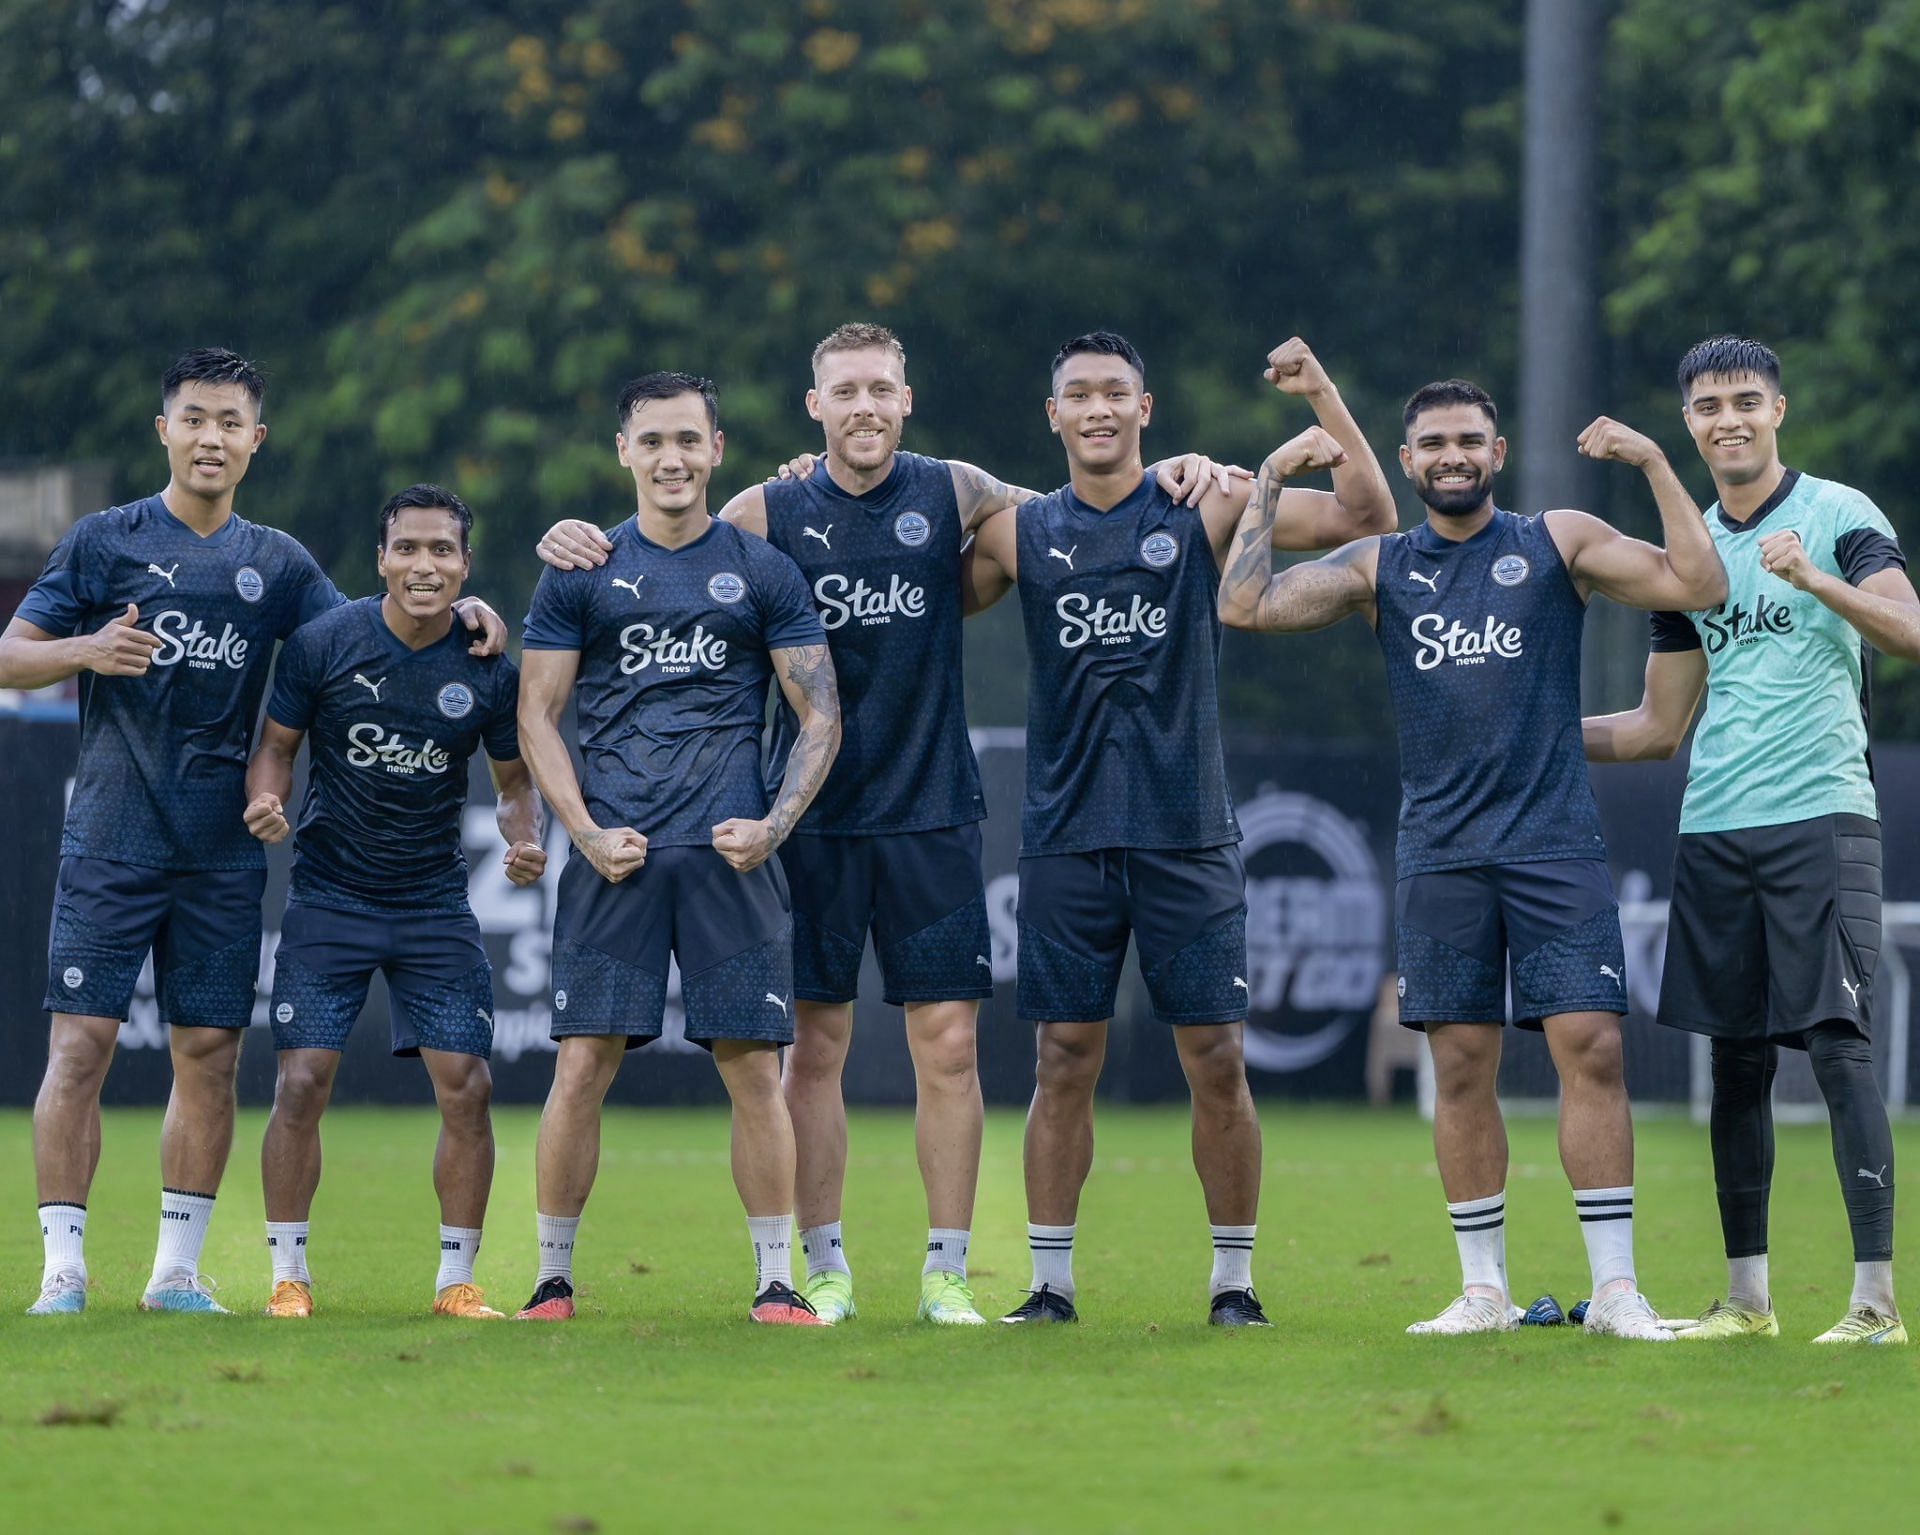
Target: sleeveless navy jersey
column 1482, row 643
column 884, row 570
column 163, row 758
column 389, row 734
column 672, row 690
column 1123, row 646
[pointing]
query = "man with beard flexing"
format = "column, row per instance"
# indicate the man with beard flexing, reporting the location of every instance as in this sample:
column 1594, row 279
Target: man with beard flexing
column 1479, row 613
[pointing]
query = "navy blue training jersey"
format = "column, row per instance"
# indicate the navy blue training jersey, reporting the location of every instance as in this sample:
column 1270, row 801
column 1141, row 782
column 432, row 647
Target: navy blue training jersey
column 389, row 734
column 672, row 689
column 163, row 758
column 884, row 570
column 1123, row 645
column 1482, row 642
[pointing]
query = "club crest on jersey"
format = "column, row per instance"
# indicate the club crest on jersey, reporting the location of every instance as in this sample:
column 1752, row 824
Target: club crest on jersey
column 455, row 700
column 839, row 602
column 645, row 646
column 726, row 587
column 247, row 582
column 912, row 529
column 1511, row 569
column 1159, row 550
column 1085, row 620
column 559, row 1001
column 72, row 976
column 373, row 747
column 283, row 1013
column 1440, row 641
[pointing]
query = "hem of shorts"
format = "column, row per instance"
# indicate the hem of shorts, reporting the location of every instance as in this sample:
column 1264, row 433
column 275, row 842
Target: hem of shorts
column 744, row 1036
column 944, row 824
column 1575, row 1005
column 1492, row 861
column 1420, row 1021
column 413, row 1052
column 829, row 998
column 1204, row 846
column 1184, row 1020
column 226, row 867
column 1794, row 1036
column 948, row 994
column 600, row 1031
column 175, row 1023
column 1872, row 813
column 368, row 909
column 49, row 1004
column 1106, row 1017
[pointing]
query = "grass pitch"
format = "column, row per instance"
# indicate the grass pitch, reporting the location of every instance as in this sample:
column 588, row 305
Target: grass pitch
column 661, row 1408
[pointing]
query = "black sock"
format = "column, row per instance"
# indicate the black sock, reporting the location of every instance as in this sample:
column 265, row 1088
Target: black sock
column 1862, row 1138
column 1741, row 1131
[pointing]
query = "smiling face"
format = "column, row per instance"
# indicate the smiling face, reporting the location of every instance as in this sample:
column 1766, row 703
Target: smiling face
column 861, row 399
column 1099, row 407
column 423, row 561
column 1735, row 421
column 210, row 432
column 671, row 448
column 1451, row 454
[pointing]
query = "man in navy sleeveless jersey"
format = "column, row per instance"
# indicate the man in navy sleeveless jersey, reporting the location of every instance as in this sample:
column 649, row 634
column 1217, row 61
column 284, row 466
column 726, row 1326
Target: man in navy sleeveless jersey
column 1501, row 862
column 666, row 651
column 167, row 609
column 1128, row 826
column 891, row 846
column 393, row 709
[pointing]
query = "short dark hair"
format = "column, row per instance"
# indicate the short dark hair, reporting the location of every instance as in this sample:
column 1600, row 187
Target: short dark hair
column 1105, row 343
column 1725, row 356
column 212, row 365
column 1444, row 392
column 665, row 386
column 433, row 498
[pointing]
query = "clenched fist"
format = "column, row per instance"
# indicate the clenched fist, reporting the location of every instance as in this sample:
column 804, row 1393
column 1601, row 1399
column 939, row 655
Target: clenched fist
column 1313, row 449
column 614, row 853
column 744, row 844
column 1293, row 369
column 267, row 818
column 526, row 862
column 1608, row 439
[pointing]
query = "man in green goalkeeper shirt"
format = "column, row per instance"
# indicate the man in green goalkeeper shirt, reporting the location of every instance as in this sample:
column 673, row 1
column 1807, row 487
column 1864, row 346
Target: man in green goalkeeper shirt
column 1775, row 922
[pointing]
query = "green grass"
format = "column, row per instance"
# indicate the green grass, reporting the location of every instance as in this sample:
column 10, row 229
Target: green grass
column 661, row 1408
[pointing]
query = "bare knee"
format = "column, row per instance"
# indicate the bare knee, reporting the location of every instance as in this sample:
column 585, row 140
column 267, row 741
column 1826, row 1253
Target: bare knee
column 303, row 1085
column 1466, row 1062
column 1212, row 1057
column 821, row 1036
column 1069, row 1061
column 751, row 1071
column 206, row 1057
column 583, row 1071
column 464, row 1088
column 944, row 1051
column 78, row 1055
column 1592, row 1059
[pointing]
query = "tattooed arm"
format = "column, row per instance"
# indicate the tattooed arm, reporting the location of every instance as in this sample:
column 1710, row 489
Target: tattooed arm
column 807, row 683
column 980, row 495
column 546, row 682
column 1308, row 596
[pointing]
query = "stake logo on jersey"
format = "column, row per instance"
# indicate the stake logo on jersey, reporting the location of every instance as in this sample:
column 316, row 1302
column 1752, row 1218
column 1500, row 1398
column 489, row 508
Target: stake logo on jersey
column 1123, row 720
column 1784, row 735
column 670, row 706
column 163, row 757
column 884, row 572
column 387, row 780
column 1482, row 644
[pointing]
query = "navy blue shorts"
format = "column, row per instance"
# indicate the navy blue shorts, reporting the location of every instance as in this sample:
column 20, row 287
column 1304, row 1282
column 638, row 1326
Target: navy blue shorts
column 1186, row 910
column 730, row 932
column 439, row 984
column 920, row 894
column 1557, row 923
column 203, row 927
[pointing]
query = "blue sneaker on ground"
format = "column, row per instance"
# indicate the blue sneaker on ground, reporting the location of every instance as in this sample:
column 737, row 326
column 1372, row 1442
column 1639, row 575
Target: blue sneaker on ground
column 182, row 1292
column 63, row 1294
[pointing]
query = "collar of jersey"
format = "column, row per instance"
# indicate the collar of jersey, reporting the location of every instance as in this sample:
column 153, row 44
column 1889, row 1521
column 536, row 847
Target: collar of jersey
column 400, row 648
column 633, row 526
column 1789, row 481
column 1132, row 501
column 872, row 499
column 219, row 535
column 1429, row 542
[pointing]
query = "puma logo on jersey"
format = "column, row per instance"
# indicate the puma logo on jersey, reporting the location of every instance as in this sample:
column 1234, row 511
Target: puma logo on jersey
column 1055, row 554
column 982, row 961
column 1610, row 973
column 1853, row 991
column 1241, row 982
column 1880, row 1177
column 816, row 533
column 777, row 1002
column 1431, row 583
column 372, row 687
column 155, row 570
column 632, row 586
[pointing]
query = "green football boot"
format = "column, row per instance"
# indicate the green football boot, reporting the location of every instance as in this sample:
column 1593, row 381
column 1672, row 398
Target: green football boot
column 830, row 1293
column 946, row 1300
column 1728, row 1319
column 1863, row 1324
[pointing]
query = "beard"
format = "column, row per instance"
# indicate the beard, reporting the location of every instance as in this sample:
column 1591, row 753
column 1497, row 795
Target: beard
column 1453, row 500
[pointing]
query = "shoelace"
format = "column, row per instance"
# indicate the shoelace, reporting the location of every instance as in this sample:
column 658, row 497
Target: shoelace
column 62, row 1279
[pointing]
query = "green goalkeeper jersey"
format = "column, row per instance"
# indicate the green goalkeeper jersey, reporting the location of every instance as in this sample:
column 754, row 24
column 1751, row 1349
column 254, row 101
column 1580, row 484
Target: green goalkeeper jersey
column 1785, row 732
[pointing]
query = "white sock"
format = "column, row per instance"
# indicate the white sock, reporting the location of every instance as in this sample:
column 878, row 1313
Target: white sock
column 1052, row 1249
column 1232, row 1259
column 772, row 1250
column 556, row 1247
column 63, row 1230
column 459, row 1246
column 1747, row 1283
column 946, row 1251
column 1480, row 1232
column 824, row 1252
column 287, row 1246
column 183, row 1232
column 1606, row 1221
column 1873, row 1286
